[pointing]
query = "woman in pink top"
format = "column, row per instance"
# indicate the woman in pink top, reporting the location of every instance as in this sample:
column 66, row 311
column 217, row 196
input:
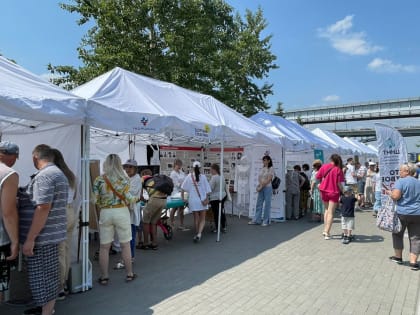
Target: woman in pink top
column 332, row 179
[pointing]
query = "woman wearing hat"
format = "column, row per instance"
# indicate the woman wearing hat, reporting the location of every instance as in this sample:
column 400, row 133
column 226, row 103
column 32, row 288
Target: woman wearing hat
column 198, row 189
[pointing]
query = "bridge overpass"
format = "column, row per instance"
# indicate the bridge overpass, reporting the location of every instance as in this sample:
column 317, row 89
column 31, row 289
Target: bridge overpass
column 367, row 135
column 399, row 108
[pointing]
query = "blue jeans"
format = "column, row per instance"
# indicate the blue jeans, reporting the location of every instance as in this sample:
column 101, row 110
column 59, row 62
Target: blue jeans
column 377, row 206
column 264, row 198
column 133, row 239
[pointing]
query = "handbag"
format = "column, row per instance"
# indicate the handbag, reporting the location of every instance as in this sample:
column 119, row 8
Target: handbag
column 388, row 219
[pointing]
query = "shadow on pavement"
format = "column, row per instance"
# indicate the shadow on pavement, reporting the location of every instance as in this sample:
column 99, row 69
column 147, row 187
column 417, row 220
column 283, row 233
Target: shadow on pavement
column 177, row 266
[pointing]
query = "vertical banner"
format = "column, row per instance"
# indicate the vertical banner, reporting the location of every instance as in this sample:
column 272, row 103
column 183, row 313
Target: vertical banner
column 392, row 152
column 278, row 201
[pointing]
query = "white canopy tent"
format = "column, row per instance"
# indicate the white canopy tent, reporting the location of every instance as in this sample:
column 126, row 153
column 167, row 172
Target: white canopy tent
column 35, row 111
column 348, row 148
column 365, row 150
column 300, row 138
column 162, row 113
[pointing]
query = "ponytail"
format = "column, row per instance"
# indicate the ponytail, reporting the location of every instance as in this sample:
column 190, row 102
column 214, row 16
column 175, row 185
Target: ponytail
column 197, row 173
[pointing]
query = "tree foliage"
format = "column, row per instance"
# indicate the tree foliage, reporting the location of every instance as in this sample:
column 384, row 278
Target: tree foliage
column 279, row 110
column 198, row 44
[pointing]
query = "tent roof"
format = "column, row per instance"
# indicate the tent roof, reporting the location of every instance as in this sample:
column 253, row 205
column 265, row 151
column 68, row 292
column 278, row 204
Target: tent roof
column 364, row 148
column 331, row 137
column 26, row 100
column 127, row 102
column 299, row 138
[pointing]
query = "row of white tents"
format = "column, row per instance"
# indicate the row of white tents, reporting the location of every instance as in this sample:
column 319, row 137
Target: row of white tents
column 33, row 111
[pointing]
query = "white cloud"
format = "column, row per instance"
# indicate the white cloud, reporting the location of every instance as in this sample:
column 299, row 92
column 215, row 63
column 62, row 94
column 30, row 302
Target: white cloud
column 385, row 65
column 331, row 98
column 343, row 39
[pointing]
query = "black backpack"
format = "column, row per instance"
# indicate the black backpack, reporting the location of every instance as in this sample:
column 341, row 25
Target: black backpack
column 161, row 183
column 275, row 183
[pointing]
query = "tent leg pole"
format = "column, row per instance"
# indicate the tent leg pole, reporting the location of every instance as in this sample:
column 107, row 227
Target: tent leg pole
column 85, row 207
column 220, row 191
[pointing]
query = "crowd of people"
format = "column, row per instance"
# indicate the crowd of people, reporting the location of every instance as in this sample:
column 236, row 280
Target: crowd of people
column 131, row 204
column 40, row 221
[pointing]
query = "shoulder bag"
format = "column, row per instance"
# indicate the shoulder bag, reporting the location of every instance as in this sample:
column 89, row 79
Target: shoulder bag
column 120, row 196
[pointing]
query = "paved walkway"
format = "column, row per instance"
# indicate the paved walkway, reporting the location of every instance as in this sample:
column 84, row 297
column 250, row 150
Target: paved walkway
column 286, row 268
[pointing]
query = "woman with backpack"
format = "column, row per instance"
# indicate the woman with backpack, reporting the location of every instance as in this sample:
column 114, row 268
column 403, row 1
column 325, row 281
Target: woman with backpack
column 265, row 192
column 198, row 189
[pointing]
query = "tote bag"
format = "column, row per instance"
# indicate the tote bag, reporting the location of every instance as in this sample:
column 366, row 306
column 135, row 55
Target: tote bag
column 387, row 218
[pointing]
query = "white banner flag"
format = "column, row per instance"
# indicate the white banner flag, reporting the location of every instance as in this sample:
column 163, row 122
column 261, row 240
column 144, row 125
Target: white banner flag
column 392, row 152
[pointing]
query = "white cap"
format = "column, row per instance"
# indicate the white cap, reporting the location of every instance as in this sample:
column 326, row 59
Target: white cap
column 196, row 163
column 372, row 163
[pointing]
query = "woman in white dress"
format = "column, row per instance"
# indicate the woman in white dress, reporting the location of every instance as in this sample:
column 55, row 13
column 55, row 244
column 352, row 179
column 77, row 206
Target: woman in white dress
column 198, row 189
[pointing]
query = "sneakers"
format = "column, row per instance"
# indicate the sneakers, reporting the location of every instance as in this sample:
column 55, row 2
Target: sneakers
column 264, row 224
column 345, row 240
column 183, row 228
column 414, row 266
column 327, row 236
column 399, row 261
column 252, row 223
column 119, row 265
column 196, row 239
column 61, row 296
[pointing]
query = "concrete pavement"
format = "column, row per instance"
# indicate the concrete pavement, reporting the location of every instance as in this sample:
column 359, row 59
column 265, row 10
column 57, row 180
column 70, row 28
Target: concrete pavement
column 286, row 268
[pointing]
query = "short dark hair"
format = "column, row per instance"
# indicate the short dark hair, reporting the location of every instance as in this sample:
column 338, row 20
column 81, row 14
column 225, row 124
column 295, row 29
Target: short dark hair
column 305, row 167
column 43, row 152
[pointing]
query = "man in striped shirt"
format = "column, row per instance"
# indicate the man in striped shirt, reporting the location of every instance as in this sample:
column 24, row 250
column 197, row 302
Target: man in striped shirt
column 48, row 191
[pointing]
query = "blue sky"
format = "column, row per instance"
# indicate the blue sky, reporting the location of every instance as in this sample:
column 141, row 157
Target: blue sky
column 329, row 51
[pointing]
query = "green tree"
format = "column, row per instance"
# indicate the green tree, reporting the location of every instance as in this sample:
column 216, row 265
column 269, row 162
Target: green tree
column 279, row 110
column 299, row 120
column 198, row 44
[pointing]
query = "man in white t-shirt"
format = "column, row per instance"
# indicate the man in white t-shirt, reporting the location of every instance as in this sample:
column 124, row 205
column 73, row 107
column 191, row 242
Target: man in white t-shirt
column 350, row 175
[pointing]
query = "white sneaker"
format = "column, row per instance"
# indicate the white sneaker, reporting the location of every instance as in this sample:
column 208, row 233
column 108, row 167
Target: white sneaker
column 264, row 224
column 327, row 237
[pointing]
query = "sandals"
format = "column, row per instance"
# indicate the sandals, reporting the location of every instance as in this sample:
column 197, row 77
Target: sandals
column 130, row 278
column 103, row 281
column 150, row 246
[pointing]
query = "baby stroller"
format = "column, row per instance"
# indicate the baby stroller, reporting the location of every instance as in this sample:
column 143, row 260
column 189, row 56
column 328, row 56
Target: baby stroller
column 164, row 226
column 163, row 222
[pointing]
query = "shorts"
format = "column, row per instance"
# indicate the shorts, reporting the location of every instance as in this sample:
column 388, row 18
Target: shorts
column 347, row 223
column 327, row 196
column 4, row 268
column 361, row 187
column 113, row 220
column 153, row 210
column 43, row 272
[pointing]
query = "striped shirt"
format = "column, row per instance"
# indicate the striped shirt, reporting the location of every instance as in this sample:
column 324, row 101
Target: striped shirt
column 48, row 185
column 5, row 172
